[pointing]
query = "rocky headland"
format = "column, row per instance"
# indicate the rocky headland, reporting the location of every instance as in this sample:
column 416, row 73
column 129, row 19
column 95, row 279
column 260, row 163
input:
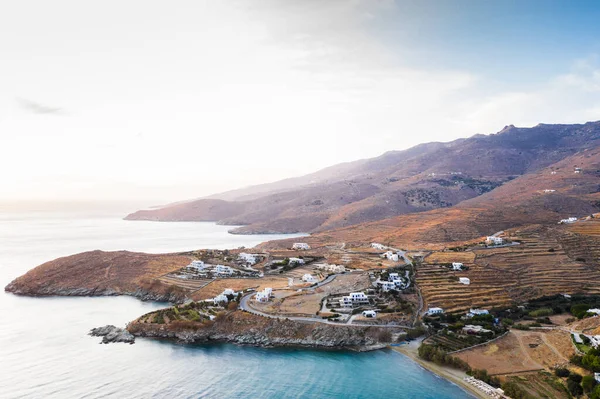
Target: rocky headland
column 111, row 334
column 243, row 328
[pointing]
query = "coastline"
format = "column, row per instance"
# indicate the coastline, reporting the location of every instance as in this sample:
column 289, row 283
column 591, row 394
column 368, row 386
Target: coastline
column 453, row 375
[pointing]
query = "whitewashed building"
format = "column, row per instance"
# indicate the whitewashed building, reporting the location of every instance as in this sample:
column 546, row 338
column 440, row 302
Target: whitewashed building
column 369, row 313
column 378, row 246
column 595, row 311
column 248, row 258
column 301, row 246
column 220, row 299
column 548, row 191
column 597, row 377
column 457, row 266
column 297, row 261
column 568, row 220
column 224, row 270
column 387, row 285
column 477, row 312
column 332, row 268
column 264, row 295
column 493, row 240
column 309, row 278
column 197, row 265
column 354, row 299
column 434, row 311
column 464, row 280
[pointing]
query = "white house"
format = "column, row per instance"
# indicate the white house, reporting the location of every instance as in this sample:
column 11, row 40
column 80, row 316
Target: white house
column 369, row 313
column 390, row 256
column 197, row 264
column 568, row 220
column 229, row 291
column 355, row 298
column 471, row 329
column 464, row 280
column 595, row 311
column 264, row 295
column 378, row 246
column 493, row 240
column 392, row 276
column 248, row 258
column 432, row 311
column 577, row 170
column 332, row 268
column 597, row 377
column 477, row 312
column 224, row 270
column 398, row 283
column 553, row 172
column 298, row 261
column 549, row 191
column 387, row 285
column 309, row 278
column 457, row 266
column 301, row 246
column 220, row 299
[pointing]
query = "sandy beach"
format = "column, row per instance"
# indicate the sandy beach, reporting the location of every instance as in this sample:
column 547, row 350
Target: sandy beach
column 453, row 375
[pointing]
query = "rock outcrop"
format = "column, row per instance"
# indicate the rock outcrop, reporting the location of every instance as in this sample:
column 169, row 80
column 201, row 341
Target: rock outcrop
column 246, row 329
column 111, row 334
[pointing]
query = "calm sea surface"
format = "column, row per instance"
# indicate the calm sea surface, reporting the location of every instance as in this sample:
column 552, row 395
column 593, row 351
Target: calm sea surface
column 45, row 351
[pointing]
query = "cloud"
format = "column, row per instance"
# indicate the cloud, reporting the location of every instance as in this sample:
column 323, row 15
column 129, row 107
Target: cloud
column 37, row 108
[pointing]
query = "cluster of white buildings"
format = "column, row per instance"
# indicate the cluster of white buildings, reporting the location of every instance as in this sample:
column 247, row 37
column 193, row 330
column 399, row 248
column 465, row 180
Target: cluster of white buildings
column 300, row 246
column 493, row 240
column 264, row 295
column 394, row 282
column 247, row 258
column 309, row 278
column 222, row 270
column 568, row 220
column 378, row 246
column 354, row 299
column 219, row 270
column 489, row 390
column 332, row 268
column 297, row 261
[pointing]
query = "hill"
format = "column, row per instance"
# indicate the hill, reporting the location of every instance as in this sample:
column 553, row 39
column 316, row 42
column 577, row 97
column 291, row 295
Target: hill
column 433, row 176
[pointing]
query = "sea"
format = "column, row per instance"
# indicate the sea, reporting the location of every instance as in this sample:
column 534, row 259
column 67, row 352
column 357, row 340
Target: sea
column 45, row 350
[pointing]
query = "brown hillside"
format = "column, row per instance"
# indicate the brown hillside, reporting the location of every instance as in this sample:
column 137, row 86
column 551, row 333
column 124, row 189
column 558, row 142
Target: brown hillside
column 424, row 178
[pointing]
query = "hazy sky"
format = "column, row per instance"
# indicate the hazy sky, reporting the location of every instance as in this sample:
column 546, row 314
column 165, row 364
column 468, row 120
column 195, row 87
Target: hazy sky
column 166, row 100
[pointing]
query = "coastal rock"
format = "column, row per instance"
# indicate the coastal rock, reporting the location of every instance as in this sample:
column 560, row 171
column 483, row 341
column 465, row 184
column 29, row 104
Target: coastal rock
column 111, row 334
column 246, row 329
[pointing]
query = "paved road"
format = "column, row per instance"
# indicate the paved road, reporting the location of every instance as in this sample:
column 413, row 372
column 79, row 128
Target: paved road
column 246, row 307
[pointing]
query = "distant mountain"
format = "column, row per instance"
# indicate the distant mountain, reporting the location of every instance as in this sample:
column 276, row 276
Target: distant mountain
column 428, row 177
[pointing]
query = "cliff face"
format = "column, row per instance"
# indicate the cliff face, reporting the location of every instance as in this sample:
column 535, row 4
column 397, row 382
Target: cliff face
column 99, row 273
column 246, row 329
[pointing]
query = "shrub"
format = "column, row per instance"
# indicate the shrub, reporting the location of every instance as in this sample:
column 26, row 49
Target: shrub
column 575, row 377
column 521, row 327
column 574, row 388
column 588, row 383
column 561, row 372
column 541, row 312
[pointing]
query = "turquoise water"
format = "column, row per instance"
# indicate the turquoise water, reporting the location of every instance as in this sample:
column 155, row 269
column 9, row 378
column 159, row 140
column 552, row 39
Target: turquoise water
column 45, row 350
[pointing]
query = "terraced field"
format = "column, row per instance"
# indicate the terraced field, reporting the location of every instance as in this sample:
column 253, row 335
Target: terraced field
column 503, row 276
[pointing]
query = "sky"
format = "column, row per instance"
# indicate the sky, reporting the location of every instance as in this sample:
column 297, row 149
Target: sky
column 164, row 101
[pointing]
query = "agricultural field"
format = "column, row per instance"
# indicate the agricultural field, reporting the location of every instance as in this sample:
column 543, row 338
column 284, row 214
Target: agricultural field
column 522, row 352
column 542, row 265
column 451, row 256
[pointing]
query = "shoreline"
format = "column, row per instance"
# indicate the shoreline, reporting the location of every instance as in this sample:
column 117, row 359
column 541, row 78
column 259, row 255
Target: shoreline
column 452, row 375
